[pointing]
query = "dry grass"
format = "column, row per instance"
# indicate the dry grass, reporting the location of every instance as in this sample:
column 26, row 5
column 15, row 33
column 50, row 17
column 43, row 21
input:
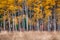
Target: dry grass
column 31, row 35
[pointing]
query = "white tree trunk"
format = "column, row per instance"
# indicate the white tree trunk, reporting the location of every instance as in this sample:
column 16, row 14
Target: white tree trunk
column 9, row 25
column 19, row 21
column 30, row 19
column 48, row 24
column 26, row 10
column 13, row 21
column 4, row 22
column 54, row 20
column 54, row 23
column 9, row 22
column 27, row 21
column 4, row 25
column 37, row 24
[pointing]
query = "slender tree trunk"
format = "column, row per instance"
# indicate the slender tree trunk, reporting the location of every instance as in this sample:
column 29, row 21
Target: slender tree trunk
column 13, row 21
column 41, row 26
column 19, row 20
column 26, row 10
column 23, row 19
column 4, row 25
column 37, row 24
column 54, row 20
column 23, row 22
column 9, row 24
column 19, row 24
column 9, row 21
column 27, row 21
column 4, row 21
column 30, row 19
column 54, row 23
column 48, row 24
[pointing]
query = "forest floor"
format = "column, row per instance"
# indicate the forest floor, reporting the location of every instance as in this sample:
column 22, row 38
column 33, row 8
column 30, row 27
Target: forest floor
column 29, row 35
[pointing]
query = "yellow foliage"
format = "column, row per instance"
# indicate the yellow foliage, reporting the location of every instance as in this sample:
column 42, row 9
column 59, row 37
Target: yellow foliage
column 38, row 6
column 2, row 5
column 45, row 20
column 38, row 16
column 15, row 20
column 29, row 21
column 11, row 1
column 33, row 22
column 20, row 18
column 52, row 2
column 20, row 8
column 20, row 1
column 48, row 13
column 43, row 3
column 5, row 17
column 47, row 7
column 37, row 10
column 58, row 10
column 37, row 1
column 12, row 8
column 4, row 2
column 29, row 2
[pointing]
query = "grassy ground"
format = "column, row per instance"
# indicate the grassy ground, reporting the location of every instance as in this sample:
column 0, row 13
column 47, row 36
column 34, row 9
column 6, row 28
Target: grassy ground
column 31, row 35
